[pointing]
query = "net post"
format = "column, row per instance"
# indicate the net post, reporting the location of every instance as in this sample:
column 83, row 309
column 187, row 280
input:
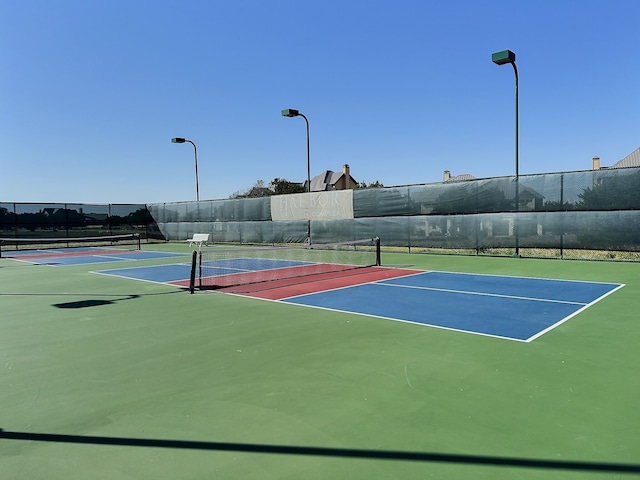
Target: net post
column 137, row 237
column 378, row 255
column 192, row 278
column 200, row 268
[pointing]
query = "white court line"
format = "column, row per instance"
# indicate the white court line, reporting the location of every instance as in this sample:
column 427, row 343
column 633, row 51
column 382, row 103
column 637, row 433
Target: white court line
column 560, row 322
column 466, row 292
column 530, row 339
column 137, row 279
column 394, row 319
column 520, row 277
column 138, row 267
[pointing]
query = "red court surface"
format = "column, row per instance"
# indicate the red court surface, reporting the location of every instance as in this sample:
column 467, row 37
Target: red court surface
column 292, row 287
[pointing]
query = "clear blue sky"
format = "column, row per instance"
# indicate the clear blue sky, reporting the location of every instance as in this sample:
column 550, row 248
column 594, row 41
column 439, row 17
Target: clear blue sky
column 92, row 91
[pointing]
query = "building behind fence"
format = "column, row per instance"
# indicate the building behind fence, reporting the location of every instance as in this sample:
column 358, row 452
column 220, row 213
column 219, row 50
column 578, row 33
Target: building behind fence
column 533, row 215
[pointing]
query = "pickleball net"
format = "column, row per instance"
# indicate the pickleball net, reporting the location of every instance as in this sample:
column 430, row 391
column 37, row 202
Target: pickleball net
column 221, row 267
column 10, row 247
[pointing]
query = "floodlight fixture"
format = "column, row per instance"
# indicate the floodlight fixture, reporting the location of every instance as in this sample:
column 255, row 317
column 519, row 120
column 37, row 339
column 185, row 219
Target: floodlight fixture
column 290, row 112
column 195, row 153
column 503, row 57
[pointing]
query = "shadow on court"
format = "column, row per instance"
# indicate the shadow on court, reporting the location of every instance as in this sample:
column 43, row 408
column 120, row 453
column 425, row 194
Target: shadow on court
column 95, row 300
column 326, row 452
column 91, row 302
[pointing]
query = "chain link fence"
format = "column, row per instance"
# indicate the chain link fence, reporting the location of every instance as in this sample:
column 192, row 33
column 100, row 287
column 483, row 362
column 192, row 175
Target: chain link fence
column 591, row 215
column 66, row 220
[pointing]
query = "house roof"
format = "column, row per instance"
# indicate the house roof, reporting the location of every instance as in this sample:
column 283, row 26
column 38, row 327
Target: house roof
column 631, row 160
column 327, row 180
column 460, row 178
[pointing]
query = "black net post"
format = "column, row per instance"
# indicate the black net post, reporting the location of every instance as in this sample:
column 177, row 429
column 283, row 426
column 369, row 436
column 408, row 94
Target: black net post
column 192, row 279
column 378, row 255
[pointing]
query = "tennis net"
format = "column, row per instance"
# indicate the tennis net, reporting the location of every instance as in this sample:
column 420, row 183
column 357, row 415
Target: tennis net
column 11, row 246
column 219, row 267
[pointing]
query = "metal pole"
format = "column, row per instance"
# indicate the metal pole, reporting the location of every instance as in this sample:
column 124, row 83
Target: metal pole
column 515, row 71
column 308, row 175
column 195, row 153
column 562, row 209
column 308, row 154
column 292, row 112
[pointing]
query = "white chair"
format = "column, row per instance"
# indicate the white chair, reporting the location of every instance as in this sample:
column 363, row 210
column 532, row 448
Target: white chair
column 199, row 239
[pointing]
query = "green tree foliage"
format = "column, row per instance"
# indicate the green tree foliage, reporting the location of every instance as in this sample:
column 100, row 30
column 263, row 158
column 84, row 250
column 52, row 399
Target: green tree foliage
column 277, row 186
column 63, row 219
column 139, row 217
column 615, row 190
column 257, row 190
column 611, row 191
column 375, row 184
column 556, row 206
column 7, row 218
column 280, row 186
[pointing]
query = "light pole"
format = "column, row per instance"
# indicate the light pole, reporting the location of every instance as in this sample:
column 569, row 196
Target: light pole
column 290, row 112
column 502, row 58
column 195, row 153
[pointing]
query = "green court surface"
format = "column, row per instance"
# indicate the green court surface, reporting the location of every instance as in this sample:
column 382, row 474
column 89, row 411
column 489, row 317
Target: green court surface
column 112, row 378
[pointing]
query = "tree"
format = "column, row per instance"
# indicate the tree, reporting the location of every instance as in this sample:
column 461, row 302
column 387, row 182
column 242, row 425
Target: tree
column 280, row 186
column 375, row 184
column 7, row 218
column 277, row 186
column 557, row 206
column 612, row 202
column 139, row 217
column 616, row 190
column 258, row 190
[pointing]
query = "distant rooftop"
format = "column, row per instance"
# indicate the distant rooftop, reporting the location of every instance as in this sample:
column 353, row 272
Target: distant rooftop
column 631, row 160
column 448, row 178
column 330, row 180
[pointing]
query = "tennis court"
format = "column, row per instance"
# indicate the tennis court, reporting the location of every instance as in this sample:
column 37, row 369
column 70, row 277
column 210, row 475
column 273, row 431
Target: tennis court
column 472, row 303
column 107, row 376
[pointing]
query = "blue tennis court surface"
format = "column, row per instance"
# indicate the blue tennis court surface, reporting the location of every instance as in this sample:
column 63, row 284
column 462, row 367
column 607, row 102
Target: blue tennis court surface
column 514, row 308
column 86, row 255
